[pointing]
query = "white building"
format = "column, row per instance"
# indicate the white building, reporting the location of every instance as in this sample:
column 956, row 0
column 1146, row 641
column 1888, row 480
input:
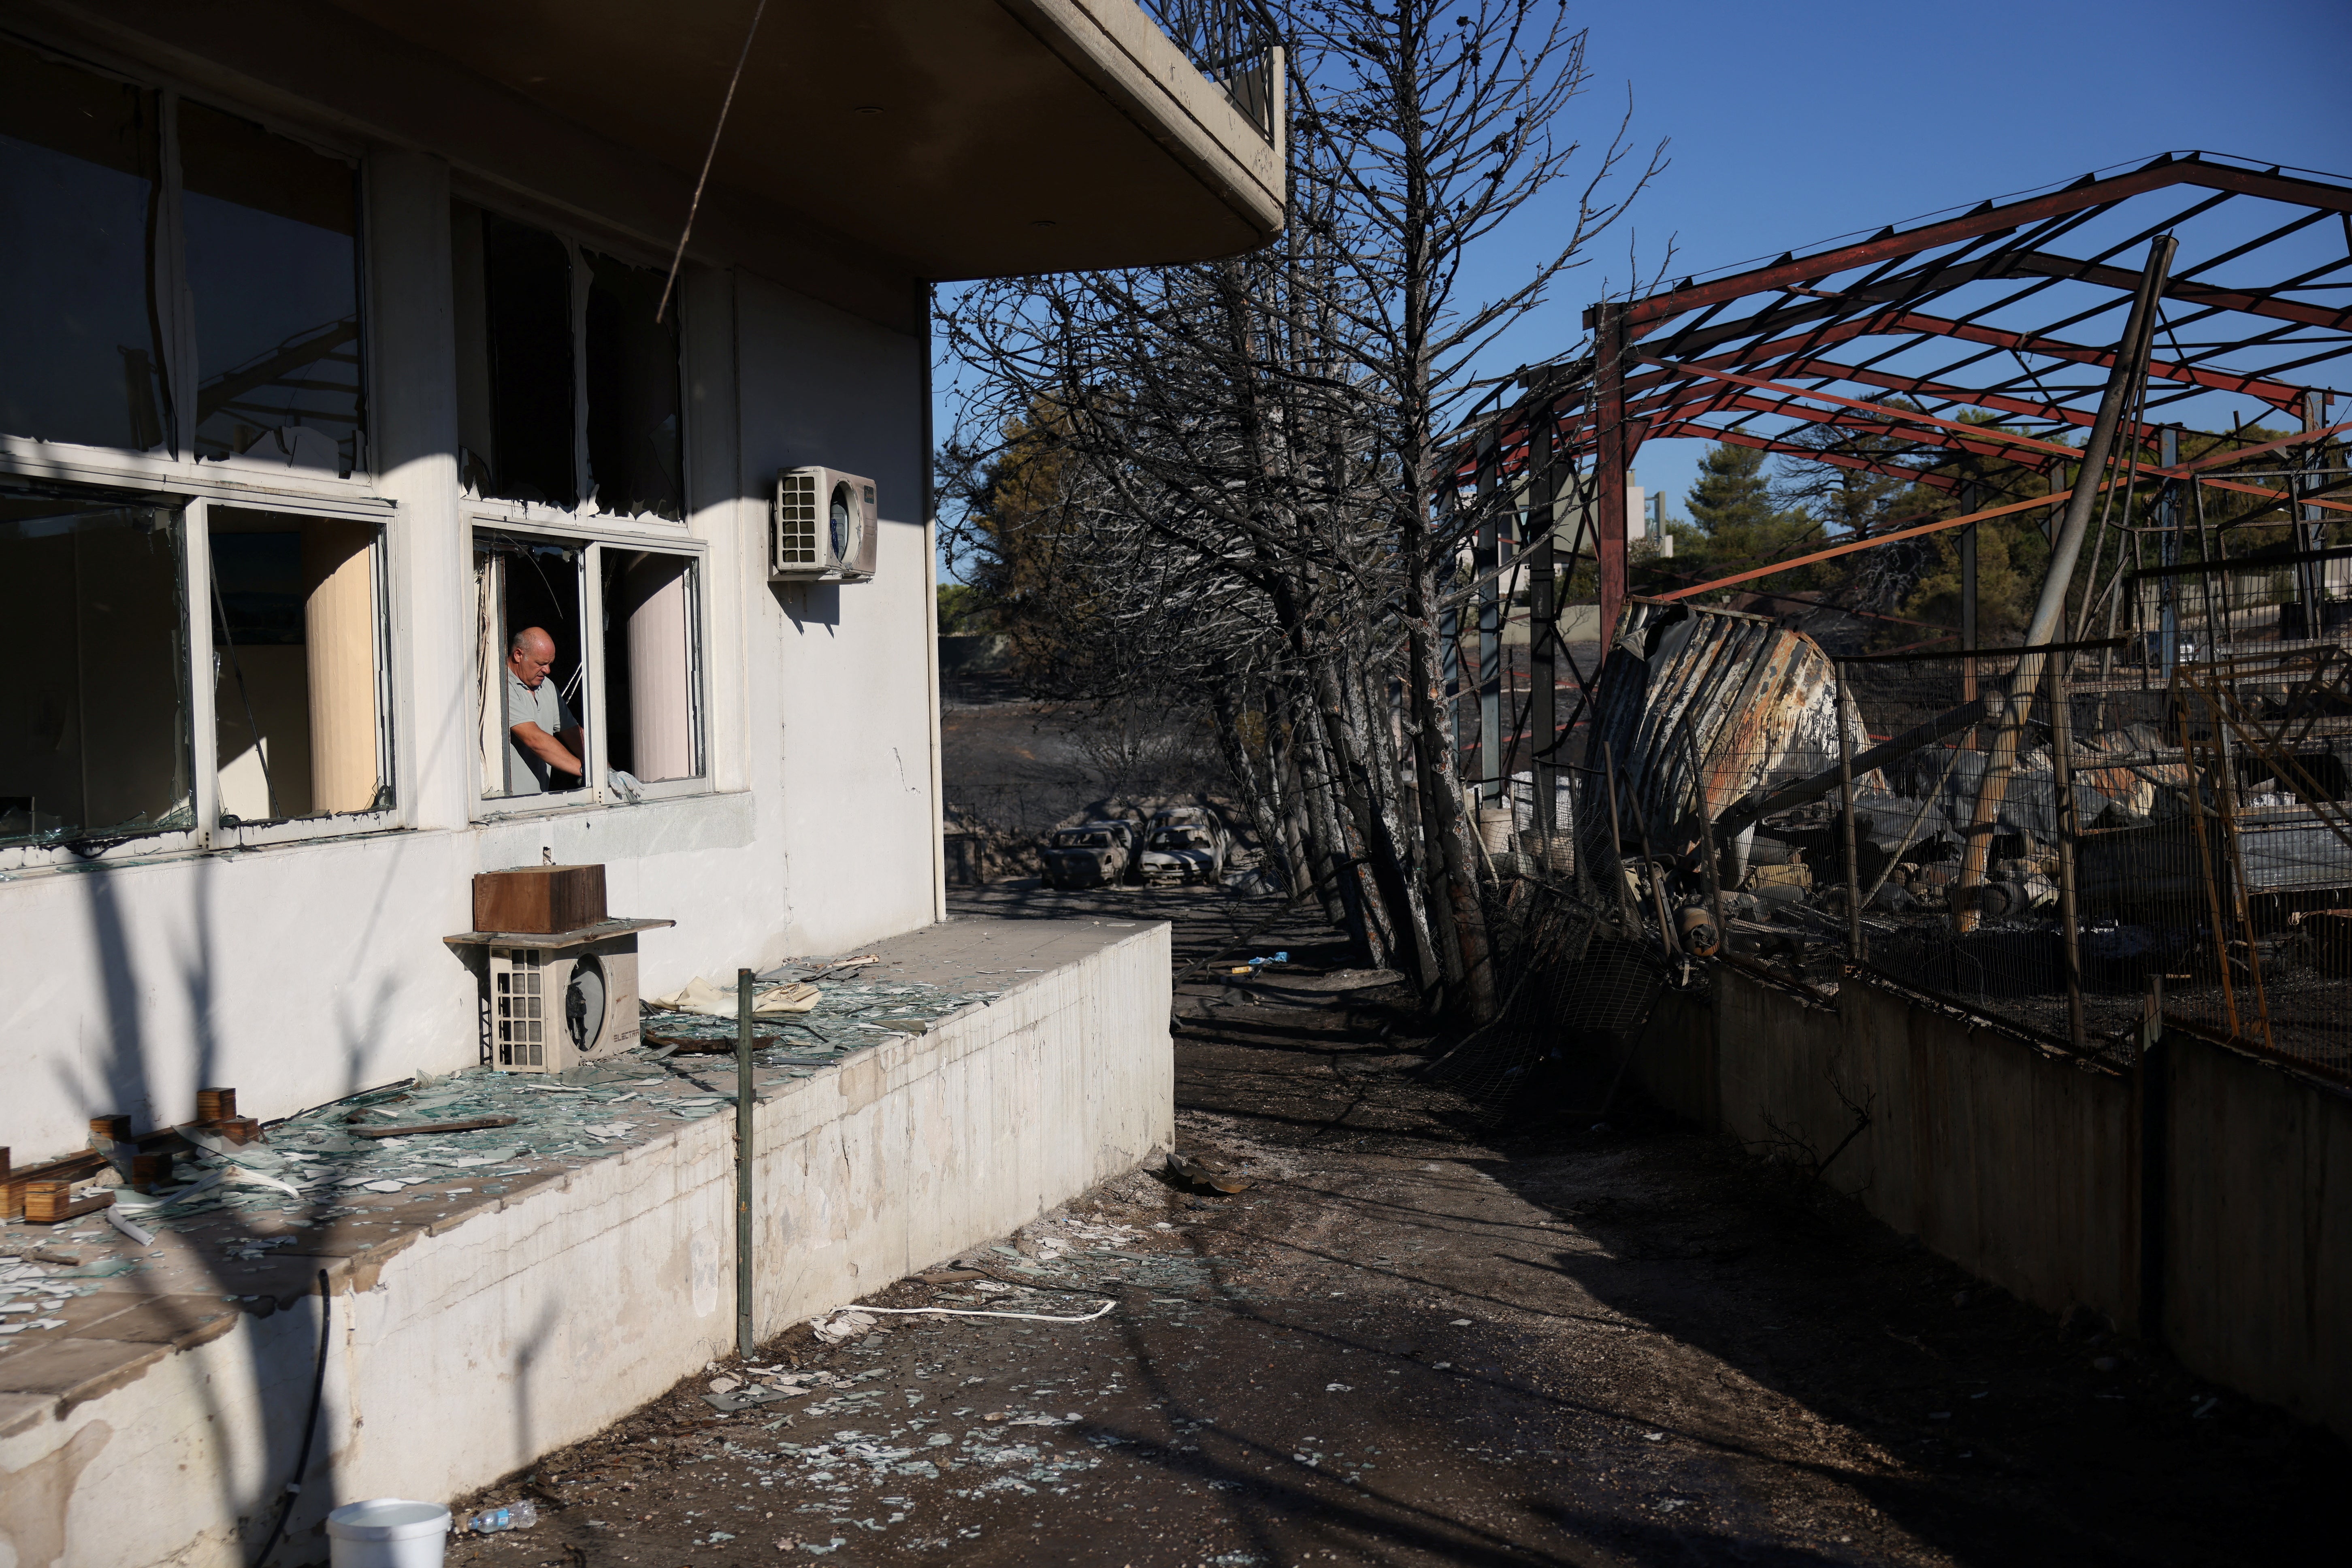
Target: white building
column 330, row 356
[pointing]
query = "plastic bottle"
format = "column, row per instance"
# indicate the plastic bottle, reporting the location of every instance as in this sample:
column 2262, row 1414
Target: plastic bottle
column 514, row 1516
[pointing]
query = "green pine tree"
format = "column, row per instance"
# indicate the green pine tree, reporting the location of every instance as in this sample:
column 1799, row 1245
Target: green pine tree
column 1735, row 523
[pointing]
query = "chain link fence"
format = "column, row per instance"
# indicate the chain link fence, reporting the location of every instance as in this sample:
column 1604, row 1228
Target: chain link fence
column 2067, row 841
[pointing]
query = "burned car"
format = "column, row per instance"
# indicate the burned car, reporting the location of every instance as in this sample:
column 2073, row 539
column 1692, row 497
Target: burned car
column 1184, row 852
column 1093, row 854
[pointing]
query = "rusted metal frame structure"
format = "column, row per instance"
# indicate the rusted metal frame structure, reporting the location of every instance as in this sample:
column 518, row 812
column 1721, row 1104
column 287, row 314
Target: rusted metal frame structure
column 1745, row 358
column 1659, row 364
column 1881, row 357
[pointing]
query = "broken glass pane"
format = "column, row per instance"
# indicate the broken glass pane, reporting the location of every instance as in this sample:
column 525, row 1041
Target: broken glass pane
column 93, row 713
column 526, row 340
column 273, row 273
column 79, row 359
column 297, row 700
column 651, row 674
column 633, row 399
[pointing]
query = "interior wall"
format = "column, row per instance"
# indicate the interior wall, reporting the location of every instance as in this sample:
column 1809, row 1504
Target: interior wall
column 276, row 689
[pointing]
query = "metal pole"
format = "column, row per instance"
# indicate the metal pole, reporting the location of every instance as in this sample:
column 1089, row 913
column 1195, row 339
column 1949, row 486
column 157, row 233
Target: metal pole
column 2061, row 741
column 1487, row 563
column 1853, row 949
column 1613, row 457
column 1968, row 503
column 2131, row 359
column 1543, row 627
column 1707, row 845
column 2310, row 530
column 746, row 1103
column 2169, row 518
column 1616, row 837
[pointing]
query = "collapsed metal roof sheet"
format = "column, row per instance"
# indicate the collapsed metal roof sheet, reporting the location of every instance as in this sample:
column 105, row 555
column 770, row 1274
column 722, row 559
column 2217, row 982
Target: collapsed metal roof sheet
column 1756, row 701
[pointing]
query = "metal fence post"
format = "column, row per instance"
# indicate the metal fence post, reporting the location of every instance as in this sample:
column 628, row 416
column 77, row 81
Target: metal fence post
column 1707, row 846
column 747, row 1104
column 1616, row 837
column 2062, row 766
column 1853, row 949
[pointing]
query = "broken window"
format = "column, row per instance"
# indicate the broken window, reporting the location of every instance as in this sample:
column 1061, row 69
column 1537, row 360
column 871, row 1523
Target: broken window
column 273, row 279
column 298, row 654
column 524, row 585
column 517, row 408
column 93, row 715
column 644, row 719
column 652, row 678
column 567, row 387
column 80, row 358
column 632, row 386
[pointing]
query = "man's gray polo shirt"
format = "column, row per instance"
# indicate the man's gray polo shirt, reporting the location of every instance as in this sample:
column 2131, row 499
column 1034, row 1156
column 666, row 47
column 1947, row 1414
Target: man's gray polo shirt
column 526, row 775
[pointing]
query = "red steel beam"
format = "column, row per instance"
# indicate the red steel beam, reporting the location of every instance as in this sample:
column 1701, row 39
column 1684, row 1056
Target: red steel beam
column 2278, row 394
column 1644, row 314
column 2058, row 413
column 1850, row 545
column 2036, row 264
column 1677, row 427
column 1906, row 416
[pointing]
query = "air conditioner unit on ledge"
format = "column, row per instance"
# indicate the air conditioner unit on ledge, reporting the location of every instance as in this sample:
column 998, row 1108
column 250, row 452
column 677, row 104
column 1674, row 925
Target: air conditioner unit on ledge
column 823, row 528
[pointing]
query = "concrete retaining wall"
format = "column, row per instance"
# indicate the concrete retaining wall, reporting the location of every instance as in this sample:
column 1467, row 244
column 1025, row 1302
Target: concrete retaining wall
column 2257, row 1229
column 2024, row 1166
column 471, row 1351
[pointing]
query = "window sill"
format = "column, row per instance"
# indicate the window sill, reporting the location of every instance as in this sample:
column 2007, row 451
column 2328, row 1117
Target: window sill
column 248, row 483
column 306, row 830
column 33, row 859
column 576, row 802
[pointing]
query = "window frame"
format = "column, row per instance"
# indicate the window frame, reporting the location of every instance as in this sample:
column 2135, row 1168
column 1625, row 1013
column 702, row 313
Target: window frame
column 103, row 848
column 593, row 538
column 176, row 467
column 493, row 201
column 204, row 712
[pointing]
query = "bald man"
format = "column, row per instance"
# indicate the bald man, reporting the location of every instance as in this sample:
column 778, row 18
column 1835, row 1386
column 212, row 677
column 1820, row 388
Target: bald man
column 543, row 736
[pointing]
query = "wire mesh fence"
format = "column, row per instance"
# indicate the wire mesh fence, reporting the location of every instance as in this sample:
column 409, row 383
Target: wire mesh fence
column 2061, row 840
column 2098, row 832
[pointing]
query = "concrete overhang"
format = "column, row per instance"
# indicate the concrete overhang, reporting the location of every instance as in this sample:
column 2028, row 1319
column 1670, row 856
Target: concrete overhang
column 963, row 138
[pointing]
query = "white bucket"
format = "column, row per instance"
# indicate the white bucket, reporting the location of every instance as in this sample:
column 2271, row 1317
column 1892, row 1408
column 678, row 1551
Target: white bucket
column 387, row 1532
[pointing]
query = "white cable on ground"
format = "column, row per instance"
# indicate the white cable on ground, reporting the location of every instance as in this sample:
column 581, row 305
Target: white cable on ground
column 969, row 1312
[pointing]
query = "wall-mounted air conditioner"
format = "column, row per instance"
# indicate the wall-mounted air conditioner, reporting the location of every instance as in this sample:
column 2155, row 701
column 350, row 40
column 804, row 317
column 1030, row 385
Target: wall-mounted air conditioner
column 554, row 1008
column 824, row 527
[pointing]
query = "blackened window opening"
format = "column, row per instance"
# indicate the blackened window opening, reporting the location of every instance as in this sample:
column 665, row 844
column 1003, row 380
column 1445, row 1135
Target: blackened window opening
column 272, row 234
column 633, row 392
column 80, row 346
column 527, row 336
column 93, row 713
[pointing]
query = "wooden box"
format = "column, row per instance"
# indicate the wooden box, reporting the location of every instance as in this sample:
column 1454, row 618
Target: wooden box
column 539, row 898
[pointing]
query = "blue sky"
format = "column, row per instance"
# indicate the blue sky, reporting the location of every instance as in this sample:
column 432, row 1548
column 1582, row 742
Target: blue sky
column 1792, row 124
column 1788, row 125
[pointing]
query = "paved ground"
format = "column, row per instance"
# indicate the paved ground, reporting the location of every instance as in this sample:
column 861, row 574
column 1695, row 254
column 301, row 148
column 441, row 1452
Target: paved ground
column 1411, row 1341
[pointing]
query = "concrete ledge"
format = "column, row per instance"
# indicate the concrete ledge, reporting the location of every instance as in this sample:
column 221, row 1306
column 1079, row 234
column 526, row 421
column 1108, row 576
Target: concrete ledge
column 163, row 1428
